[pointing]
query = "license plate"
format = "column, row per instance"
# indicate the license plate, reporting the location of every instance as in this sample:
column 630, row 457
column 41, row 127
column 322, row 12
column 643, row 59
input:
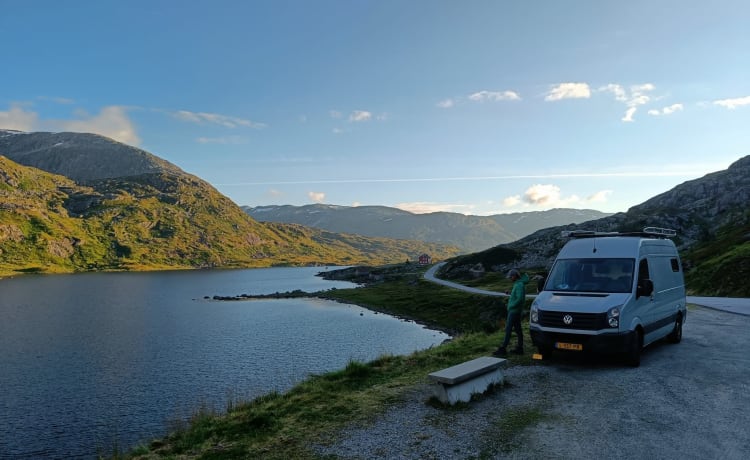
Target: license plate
column 569, row 346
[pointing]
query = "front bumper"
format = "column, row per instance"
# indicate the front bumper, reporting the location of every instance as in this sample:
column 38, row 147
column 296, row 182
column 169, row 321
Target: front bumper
column 608, row 342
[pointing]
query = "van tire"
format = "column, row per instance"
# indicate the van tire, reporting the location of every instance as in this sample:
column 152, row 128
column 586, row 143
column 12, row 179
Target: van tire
column 633, row 355
column 676, row 335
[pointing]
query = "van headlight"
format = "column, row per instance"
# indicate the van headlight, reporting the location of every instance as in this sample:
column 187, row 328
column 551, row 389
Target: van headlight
column 613, row 316
column 534, row 316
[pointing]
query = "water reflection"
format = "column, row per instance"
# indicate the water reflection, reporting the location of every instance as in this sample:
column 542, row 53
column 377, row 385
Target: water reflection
column 90, row 360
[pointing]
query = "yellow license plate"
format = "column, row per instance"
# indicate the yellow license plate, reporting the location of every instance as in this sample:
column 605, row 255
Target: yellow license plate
column 569, row 346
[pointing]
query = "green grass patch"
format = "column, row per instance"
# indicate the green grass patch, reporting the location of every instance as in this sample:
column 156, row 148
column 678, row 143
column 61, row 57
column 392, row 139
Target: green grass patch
column 437, row 306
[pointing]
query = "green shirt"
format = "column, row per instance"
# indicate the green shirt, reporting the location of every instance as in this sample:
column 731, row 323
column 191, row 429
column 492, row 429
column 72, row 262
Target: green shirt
column 518, row 295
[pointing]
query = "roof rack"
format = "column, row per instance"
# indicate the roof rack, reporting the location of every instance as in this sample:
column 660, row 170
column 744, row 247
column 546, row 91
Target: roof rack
column 648, row 232
column 667, row 232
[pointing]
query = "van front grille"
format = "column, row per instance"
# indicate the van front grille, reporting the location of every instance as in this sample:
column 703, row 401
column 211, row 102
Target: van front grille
column 581, row 321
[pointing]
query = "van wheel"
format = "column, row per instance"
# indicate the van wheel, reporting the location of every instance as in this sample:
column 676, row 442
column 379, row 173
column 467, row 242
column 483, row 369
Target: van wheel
column 633, row 356
column 676, row 335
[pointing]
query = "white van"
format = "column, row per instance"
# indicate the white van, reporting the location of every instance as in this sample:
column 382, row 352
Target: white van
column 611, row 293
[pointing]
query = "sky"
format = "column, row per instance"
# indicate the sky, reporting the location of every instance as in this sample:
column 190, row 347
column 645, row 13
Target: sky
column 476, row 107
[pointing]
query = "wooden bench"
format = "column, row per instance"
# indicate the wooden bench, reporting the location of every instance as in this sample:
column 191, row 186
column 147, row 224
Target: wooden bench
column 460, row 382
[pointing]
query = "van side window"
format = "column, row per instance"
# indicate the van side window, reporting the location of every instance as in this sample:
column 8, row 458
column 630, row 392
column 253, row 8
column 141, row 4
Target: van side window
column 643, row 270
column 675, row 265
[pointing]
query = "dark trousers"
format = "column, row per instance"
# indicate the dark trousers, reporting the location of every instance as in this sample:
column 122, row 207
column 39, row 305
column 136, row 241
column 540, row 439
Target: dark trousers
column 513, row 323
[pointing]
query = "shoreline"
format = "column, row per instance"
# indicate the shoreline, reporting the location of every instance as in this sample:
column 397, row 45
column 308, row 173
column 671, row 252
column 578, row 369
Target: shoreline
column 298, row 294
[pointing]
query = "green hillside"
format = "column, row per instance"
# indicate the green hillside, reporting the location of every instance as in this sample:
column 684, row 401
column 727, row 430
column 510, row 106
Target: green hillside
column 720, row 266
column 48, row 223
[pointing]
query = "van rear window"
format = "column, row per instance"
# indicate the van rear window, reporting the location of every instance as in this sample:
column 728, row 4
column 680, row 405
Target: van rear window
column 591, row 275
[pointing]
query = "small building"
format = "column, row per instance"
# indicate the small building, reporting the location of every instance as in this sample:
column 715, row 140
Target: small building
column 425, row 259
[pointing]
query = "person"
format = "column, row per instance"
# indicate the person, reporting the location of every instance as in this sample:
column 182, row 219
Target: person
column 515, row 310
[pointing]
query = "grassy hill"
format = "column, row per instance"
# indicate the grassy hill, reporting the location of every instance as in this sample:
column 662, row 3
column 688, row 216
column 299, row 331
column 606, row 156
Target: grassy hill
column 159, row 220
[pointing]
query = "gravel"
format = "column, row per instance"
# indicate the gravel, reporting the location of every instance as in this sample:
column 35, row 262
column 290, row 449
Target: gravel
column 690, row 400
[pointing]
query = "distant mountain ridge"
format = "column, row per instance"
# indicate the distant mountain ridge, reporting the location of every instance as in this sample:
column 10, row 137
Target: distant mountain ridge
column 130, row 210
column 711, row 216
column 470, row 233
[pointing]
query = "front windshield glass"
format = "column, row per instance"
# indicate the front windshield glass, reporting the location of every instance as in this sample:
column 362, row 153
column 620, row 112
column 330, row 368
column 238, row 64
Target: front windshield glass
column 591, row 275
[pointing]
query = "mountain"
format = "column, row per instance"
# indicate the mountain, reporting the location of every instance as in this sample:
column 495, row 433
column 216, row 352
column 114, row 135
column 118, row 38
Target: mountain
column 711, row 216
column 80, row 156
column 469, row 233
column 73, row 202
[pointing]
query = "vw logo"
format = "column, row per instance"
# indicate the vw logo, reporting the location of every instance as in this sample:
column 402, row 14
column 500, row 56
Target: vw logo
column 568, row 320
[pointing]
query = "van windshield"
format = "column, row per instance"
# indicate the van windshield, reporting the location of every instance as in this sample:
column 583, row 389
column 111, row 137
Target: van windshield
column 591, row 275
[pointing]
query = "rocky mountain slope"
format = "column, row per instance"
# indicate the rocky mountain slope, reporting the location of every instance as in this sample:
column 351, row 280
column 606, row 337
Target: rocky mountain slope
column 469, row 233
column 80, row 156
column 711, row 215
column 138, row 211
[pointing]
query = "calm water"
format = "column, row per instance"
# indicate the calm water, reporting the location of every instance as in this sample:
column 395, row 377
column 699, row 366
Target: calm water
column 91, row 361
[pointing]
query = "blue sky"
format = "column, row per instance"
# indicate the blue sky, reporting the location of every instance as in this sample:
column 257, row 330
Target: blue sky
column 477, row 107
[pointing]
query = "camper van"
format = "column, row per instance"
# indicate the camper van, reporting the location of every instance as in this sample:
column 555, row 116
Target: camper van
column 611, row 293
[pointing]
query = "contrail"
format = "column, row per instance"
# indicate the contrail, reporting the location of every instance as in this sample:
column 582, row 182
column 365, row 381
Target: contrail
column 476, row 178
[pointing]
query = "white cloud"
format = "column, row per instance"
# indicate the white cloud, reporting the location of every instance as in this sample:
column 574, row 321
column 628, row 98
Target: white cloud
column 633, row 97
column 19, row 119
column 337, row 131
column 642, row 88
column 233, row 140
column 424, row 207
column 316, row 197
column 666, row 110
column 483, row 96
column 542, row 194
column 569, row 91
column 511, row 201
column 550, row 196
column 599, row 197
column 360, row 115
column 446, row 103
column 732, row 104
column 628, row 117
column 617, row 90
column 222, row 120
column 112, row 122
column 335, row 114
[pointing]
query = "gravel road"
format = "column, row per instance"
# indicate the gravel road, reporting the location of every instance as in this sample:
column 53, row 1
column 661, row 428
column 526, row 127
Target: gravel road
column 685, row 401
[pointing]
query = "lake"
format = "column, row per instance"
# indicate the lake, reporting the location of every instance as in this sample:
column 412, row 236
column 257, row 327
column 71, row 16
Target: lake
column 96, row 360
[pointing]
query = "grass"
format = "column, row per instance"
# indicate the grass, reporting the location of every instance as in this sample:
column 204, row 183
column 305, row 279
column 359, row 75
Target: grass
column 282, row 426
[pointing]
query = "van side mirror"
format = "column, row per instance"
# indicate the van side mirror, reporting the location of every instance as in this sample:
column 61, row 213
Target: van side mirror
column 645, row 288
